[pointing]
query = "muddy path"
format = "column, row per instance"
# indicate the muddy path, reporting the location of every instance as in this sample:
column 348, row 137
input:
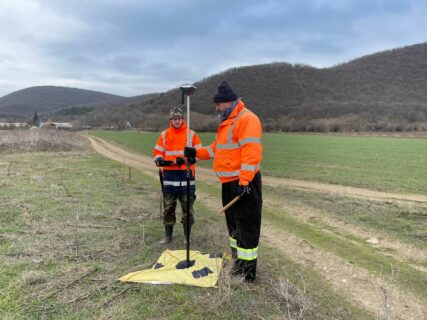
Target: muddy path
column 378, row 295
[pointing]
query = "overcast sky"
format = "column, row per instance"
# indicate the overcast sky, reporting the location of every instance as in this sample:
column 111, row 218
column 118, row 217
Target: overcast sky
column 132, row 47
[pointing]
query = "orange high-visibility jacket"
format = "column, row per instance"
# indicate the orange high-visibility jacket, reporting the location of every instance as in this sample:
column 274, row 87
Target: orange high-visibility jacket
column 170, row 145
column 237, row 149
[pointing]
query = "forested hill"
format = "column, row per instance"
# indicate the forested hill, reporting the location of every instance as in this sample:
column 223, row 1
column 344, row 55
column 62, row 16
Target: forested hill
column 44, row 99
column 383, row 91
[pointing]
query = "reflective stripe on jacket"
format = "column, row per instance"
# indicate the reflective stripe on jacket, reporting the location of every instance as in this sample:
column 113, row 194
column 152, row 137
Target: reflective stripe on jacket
column 175, row 181
column 170, row 145
column 237, row 149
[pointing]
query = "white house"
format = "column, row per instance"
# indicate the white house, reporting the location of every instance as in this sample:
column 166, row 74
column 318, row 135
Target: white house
column 13, row 125
column 62, row 125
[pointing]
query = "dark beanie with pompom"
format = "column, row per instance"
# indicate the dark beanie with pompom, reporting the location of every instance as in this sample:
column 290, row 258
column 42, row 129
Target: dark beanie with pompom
column 225, row 93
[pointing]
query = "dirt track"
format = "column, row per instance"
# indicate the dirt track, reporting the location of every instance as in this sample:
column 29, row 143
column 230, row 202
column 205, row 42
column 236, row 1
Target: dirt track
column 145, row 163
column 353, row 282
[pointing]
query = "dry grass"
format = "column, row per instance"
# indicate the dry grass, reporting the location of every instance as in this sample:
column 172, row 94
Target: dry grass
column 386, row 293
column 41, row 140
column 32, row 277
column 295, row 302
column 227, row 288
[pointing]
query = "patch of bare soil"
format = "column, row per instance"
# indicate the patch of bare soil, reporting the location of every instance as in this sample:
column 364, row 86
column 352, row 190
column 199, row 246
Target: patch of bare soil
column 378, row 295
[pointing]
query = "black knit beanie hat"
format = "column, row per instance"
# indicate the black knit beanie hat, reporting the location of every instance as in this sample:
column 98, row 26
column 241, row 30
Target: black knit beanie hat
column 225, row 93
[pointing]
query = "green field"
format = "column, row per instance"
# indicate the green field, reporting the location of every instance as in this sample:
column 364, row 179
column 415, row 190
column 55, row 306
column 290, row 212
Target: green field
column 378, row 163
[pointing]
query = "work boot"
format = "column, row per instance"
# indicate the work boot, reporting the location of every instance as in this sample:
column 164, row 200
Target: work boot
column 168, row 234
column 185, row 233
column 244, row 269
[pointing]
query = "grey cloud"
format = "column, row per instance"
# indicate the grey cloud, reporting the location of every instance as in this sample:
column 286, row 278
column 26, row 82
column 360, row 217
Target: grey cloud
column 154, row 45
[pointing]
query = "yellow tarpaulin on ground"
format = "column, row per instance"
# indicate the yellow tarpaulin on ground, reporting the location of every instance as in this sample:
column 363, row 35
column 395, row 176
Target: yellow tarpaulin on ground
column 204, row 272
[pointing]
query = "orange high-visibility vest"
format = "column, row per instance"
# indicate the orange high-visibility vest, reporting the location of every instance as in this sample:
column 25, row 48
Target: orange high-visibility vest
column 237, row 149
column 170, row 145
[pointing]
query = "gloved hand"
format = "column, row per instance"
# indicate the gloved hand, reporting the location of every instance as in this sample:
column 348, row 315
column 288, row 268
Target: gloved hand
column 192, row 160
column 180, row 161
column 190, row 152
column 243, row 191
column 157, row 161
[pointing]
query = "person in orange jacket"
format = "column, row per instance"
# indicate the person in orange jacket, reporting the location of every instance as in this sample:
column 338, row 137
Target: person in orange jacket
column 169, row 148
column 237, row 153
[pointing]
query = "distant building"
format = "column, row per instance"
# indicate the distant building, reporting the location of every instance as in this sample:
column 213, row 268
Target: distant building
column 124, row 124
column 13, row 125
column 62, row 125
column 49, row 124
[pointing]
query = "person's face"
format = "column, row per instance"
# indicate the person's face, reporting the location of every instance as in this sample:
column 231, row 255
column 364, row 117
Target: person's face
column 222, row 106
column 176, row 122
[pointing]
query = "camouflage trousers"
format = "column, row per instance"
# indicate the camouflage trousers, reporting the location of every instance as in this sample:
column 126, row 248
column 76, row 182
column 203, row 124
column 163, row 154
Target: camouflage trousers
column 170, row 199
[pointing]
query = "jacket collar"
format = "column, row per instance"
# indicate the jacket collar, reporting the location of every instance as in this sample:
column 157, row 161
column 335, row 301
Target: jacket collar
column 239, row 107
column 182, row 127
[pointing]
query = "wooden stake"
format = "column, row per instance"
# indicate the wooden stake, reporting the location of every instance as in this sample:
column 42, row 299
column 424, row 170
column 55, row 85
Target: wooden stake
column 229, row 204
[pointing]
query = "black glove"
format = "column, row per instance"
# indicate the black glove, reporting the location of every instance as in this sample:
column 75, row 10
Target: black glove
column 190, row 152
column 157, row 161
column 180, row 161
column 160, row 162
column 243, row 191
column 192, row 160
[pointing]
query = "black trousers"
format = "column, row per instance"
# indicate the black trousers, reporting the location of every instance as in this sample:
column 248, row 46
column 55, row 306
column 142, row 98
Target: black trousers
column 244, row 225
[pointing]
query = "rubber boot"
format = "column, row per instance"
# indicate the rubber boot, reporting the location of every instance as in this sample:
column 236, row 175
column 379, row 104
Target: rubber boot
column 168, row 234
column 185, row 233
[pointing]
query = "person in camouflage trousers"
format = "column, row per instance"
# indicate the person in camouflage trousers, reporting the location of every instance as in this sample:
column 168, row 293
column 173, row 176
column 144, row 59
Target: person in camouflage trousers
column 169, row 147
column 170, row 200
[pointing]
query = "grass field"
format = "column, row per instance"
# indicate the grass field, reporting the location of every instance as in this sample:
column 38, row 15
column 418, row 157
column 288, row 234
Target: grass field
column 378, row 163
column 403, row 221
column 73, row 222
